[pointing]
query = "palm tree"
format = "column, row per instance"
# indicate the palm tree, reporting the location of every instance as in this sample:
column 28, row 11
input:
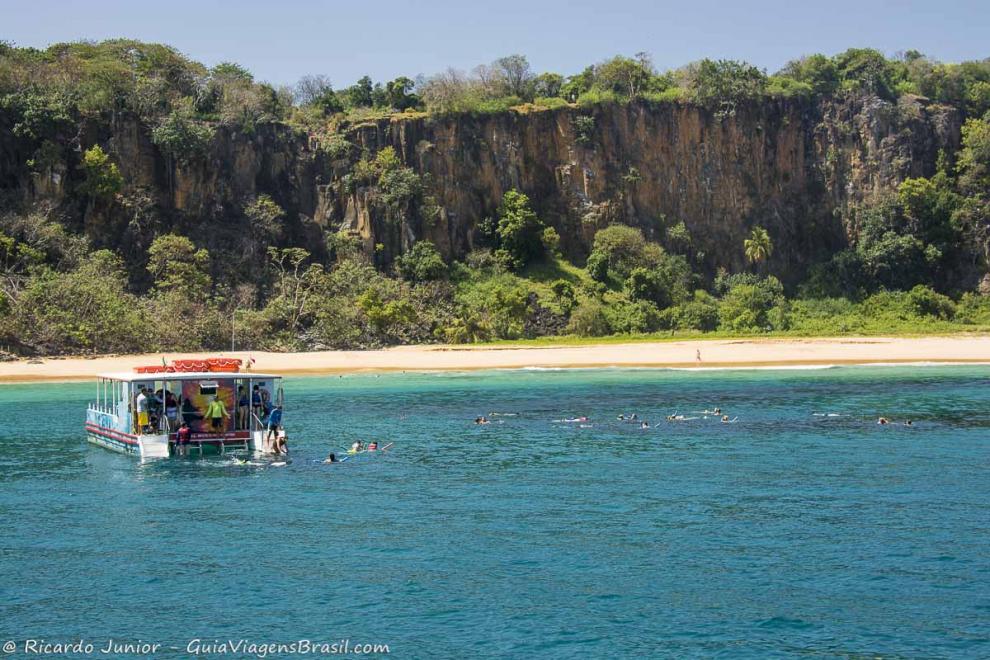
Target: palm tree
column 758, row 246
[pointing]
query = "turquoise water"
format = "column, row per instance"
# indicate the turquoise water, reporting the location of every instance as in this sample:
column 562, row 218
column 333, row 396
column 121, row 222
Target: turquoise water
column 782, row 534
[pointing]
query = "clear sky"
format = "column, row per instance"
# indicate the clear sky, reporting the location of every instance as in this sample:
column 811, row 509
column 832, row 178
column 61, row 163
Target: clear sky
column 284, row 40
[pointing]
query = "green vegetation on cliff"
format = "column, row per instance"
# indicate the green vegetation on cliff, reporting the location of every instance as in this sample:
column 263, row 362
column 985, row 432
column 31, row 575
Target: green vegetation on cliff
column 119, row 230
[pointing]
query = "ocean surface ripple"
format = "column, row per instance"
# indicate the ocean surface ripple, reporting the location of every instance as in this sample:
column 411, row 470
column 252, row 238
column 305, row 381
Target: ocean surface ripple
column 803, row 528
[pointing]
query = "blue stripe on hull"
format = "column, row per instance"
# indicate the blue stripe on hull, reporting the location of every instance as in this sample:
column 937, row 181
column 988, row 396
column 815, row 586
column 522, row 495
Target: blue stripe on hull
column 110, row 443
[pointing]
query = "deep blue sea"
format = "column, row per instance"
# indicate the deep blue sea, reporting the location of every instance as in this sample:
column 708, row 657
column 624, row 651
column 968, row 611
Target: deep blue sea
column 801, row 529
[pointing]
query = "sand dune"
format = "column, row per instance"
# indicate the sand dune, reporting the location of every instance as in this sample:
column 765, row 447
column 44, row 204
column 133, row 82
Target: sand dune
column 714, row 353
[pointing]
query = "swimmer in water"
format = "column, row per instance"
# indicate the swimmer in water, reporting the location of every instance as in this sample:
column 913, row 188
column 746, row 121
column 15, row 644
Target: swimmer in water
column 725, row 419
column 882, row 421
column 908, row 423
column 644, row 425
column 481, row 420
column 355, row 448
column 373, row 445
column 332, row 458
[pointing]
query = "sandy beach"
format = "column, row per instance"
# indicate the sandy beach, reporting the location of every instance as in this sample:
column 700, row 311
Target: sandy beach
column 714, row 354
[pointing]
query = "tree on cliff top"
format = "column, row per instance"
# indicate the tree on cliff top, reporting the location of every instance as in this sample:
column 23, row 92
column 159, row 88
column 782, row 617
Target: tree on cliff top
column 623, row 75
column 816, row 70
column 722, row 84
column 514, row 76
column 317, row 92
column 868, row 70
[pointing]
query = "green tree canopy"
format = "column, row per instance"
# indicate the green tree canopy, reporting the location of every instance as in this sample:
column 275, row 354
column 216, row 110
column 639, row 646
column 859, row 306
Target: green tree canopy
column 520, row 231
column 422, row 263
column 758, row 247
column 101, row 176
column 618, row 249
column 176, row 265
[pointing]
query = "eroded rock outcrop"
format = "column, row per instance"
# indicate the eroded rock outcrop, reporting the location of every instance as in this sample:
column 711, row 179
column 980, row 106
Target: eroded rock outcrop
column 793, row 167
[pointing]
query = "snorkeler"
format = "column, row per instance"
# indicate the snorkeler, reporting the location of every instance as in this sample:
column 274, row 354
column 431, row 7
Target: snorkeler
column 279, row 446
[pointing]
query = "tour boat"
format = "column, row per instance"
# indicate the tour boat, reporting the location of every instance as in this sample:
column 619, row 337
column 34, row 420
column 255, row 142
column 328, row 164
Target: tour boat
column 181, row 392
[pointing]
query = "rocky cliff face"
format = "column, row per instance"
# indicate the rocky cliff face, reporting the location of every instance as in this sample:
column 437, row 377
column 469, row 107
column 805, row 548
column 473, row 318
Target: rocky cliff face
column 792, row 167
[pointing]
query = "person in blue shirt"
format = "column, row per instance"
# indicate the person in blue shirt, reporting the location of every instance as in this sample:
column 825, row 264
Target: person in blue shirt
column 243, row 408
column 274, row 421
column 256, row 402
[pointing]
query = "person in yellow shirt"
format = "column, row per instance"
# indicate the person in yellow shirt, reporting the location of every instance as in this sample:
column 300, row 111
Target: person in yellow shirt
column 216, row 413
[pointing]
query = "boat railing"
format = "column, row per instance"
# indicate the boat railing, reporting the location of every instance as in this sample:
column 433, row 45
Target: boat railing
column 101, row 416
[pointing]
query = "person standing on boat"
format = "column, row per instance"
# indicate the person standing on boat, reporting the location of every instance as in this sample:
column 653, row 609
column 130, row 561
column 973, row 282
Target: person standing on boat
column 141, row 406
column 256, row 403
column 274, row 421
column 266, row 401
column 243, row 407
column 216, row 413
column 171, row 408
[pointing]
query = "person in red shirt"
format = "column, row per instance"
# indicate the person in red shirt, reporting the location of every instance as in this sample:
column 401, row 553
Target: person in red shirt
column 182, row 439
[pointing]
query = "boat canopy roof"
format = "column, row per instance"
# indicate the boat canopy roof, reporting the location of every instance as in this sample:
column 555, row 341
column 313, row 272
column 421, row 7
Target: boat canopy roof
column 132, row 377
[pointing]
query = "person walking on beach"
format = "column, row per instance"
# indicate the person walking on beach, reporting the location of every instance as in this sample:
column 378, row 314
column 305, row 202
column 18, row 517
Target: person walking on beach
column 697, row 355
